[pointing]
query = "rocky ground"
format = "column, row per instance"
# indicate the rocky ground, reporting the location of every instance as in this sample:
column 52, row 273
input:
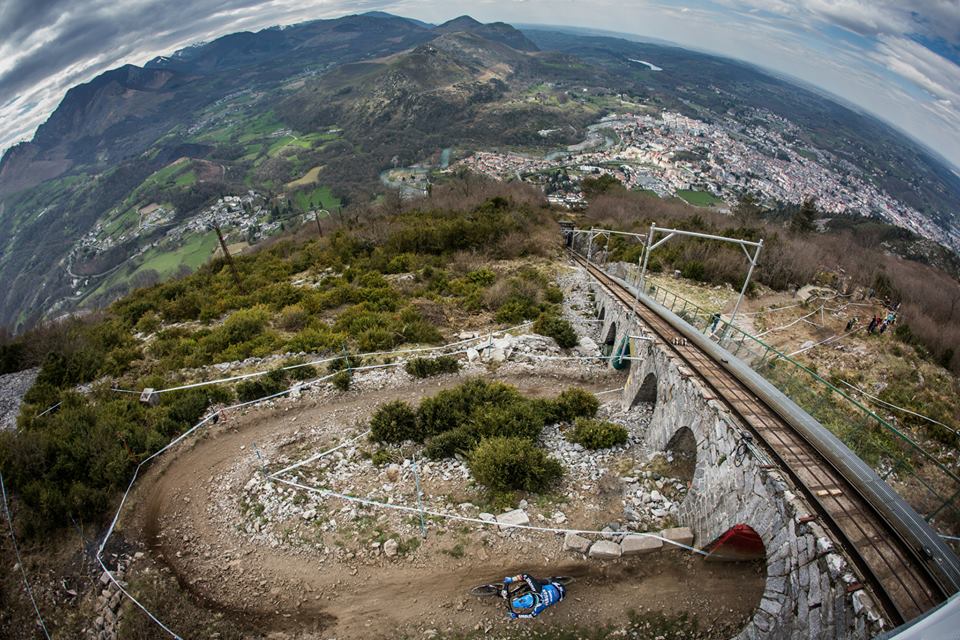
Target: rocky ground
column 303, row 564
column 12, row 388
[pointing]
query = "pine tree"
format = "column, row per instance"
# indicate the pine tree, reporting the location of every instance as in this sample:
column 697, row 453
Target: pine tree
column 747, row 209
column 802, row 221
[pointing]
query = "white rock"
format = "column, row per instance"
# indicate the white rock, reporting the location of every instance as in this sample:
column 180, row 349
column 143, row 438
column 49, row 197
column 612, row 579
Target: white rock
column 393, row 472
column 604, row 550
column 390, row 548
column 517, row 517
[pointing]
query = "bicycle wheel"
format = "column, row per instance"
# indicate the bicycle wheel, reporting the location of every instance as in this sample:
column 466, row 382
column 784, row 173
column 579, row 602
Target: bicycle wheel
column 562, row 580
column 486, row 590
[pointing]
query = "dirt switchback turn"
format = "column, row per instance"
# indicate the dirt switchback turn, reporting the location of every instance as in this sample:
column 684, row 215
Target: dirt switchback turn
column 328, row 575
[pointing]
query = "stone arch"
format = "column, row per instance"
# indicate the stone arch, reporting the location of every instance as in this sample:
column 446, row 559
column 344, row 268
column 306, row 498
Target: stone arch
column 681, row 450
column 647, row 391
column 602, row 313
column 739, row 543
column 609, row 339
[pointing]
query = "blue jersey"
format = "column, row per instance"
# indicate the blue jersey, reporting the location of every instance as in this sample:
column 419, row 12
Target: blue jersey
column 545, row 594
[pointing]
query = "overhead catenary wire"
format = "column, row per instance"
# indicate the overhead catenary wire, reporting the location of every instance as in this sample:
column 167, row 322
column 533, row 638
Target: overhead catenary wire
column 16, row 550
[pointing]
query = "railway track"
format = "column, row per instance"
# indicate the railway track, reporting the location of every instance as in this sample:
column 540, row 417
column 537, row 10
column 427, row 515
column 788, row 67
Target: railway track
column 891, row 570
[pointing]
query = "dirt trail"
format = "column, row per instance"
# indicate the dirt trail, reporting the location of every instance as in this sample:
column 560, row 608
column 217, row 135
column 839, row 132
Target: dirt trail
column 292, row 591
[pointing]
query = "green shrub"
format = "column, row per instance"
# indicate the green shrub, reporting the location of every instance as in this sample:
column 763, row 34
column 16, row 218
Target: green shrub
column 305, row 372
column 259, row 387
column 395, row 422
column 293, row 318
column 522, row 419
column 694, row 270
column 554, row 295
column 575, row 403
column 382, row 457
column 445, row 445
column 517, row 309
column 596, row 434
column 504, row 464
column 341, row 380
column 148, row 322
column 426, row 367
column 553, row 326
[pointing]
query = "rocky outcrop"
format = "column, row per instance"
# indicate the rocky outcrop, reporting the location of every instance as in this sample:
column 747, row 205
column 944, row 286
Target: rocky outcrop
column 12, row 388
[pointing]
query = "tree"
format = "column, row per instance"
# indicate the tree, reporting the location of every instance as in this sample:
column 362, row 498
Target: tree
column 747, row 210
column 802, row 221
column 593, row 187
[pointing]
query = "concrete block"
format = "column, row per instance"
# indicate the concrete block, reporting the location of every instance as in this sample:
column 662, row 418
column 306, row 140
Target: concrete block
column 604, row 550
column 680, row 535
column 573, row 542
column 639, row 545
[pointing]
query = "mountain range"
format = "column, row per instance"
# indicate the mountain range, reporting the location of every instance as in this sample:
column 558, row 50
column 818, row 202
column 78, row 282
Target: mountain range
column 311, row 114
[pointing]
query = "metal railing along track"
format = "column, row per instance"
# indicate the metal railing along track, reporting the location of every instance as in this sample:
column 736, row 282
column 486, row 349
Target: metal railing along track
column 889, row 567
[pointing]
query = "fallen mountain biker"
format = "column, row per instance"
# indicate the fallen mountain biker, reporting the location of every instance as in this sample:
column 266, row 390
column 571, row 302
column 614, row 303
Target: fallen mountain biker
column 530, row 596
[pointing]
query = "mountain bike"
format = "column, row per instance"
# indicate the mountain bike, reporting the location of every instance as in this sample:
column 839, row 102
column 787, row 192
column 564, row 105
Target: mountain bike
column 513, row 589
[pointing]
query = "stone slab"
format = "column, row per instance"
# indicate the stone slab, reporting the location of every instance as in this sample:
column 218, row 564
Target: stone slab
column 680, row 535
column 640, row 545
column 573, row 542
column 604, row 550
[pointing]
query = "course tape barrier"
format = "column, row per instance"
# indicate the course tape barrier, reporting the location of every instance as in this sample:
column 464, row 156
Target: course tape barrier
column 328, row 360
column 16, row 550
column 300, row 385
column 453, row 516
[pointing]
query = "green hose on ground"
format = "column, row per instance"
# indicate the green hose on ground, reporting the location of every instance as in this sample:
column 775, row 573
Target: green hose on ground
column 619, row 358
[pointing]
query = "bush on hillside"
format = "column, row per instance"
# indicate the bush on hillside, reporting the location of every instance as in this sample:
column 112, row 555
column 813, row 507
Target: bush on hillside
column 596, row 434
column 394, row 422
column 575, row 403
column 553, row 326
column 342, row 380
column 461, row 440
column 426, row 367
column 261, row 386
column 506, row 464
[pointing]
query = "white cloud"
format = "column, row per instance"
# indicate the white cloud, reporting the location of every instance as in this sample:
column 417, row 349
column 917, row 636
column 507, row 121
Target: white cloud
column 47, row 46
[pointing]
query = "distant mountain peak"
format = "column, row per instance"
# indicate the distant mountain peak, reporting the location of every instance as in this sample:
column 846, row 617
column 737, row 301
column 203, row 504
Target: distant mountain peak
column 462, row 23
column 384, row 14
column 495, row 32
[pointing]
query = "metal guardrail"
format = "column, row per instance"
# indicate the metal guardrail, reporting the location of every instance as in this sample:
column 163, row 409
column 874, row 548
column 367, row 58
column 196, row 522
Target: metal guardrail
column 926, row 483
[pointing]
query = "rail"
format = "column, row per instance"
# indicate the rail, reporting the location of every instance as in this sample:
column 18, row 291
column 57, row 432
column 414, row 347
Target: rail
column 926, row 483
column 905, row 565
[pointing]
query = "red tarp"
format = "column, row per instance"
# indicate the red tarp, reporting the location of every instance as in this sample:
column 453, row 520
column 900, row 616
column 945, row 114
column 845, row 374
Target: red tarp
column 740, row 542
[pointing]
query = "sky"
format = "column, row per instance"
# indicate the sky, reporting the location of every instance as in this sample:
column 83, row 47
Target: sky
column 897, row 59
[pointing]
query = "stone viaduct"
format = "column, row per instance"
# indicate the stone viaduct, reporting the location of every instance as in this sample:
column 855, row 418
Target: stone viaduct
column 811, row 591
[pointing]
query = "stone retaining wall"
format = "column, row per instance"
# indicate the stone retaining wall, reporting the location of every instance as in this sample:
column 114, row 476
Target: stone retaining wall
column 806, row 594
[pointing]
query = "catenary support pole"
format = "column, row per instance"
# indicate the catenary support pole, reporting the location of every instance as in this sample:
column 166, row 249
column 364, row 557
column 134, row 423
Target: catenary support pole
column 646, row 257
column 743, row 291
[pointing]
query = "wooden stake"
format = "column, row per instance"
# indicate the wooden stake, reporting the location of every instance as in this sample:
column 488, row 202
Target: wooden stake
column 229, row 259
